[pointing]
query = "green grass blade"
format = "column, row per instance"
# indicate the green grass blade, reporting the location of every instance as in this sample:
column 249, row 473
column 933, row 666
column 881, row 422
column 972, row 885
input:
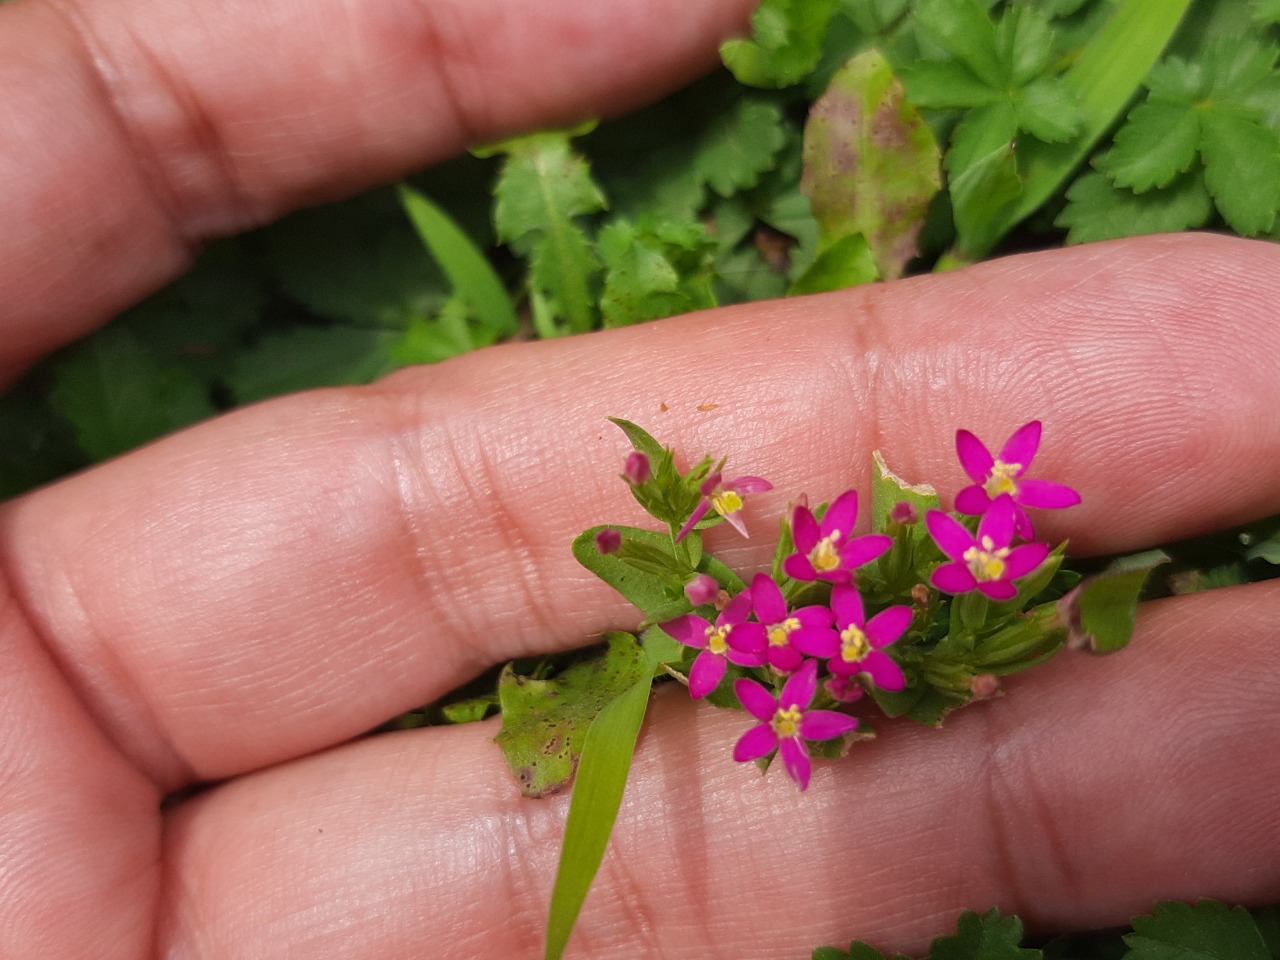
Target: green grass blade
column 1105, row 76
column 597, row 795
column 467, row 268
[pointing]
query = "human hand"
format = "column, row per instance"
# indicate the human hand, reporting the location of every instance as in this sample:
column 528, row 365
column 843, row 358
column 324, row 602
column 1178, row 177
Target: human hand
column 238, row 602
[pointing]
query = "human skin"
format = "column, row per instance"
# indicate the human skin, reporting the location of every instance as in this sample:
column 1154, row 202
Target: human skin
column 237, row 604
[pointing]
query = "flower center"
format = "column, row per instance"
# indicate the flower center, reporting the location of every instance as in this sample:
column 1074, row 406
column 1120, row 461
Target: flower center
column 786, row 723
column 780, row 633
column 853, row 644
column 726, row 502
column 825, row 557
column 718, row 640
column 986, row 564
column 1003, row 479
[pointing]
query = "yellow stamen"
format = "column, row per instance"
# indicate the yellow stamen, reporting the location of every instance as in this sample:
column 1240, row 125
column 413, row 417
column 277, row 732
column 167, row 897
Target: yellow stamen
column 825, row 557
column 726, row 502
column 718, row 640
column 986, row 564
column 786, row 723
column 1003, row 479
column 780, row 633
column 853, row 644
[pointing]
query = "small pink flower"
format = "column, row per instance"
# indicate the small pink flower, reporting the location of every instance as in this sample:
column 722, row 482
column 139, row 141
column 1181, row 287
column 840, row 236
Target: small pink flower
column 725, row 497
column 787, row 722
column 843, row 689
column 785, row 636
column 826, row 550
column 719, row 643
column 702, row 589
column 986, row 562
column 862, row 641
column 1006, row 474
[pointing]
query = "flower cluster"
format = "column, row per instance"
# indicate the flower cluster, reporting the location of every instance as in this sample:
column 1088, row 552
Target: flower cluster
column 841, row 614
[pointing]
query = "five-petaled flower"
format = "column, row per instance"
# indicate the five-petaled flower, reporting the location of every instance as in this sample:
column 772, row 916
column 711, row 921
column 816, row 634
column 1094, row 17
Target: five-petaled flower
column 719, row 642
column 826, row 551
column 862, row 641
column 725, row 497
column 784, row 635
column 1006, row 474
column 986, row 562
column 786, row 721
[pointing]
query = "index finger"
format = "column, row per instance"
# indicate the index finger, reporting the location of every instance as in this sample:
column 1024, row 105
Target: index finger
column 135, row 131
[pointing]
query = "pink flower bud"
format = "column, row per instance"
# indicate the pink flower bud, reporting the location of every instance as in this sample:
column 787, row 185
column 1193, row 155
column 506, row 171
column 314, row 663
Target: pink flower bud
column 609, row 541
column 921, row 595
column 637, row 471
column 984, row 686
column 702, row 590
column 905, row 514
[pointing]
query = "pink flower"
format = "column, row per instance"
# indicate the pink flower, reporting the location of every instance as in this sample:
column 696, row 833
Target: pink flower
column 862, row 642
column 986, row 562
column 787, row 722
column 1006, row 474
column 826, row 551
column 718, row 642
column 702, row 589
column 785, row 636
column 725, row 497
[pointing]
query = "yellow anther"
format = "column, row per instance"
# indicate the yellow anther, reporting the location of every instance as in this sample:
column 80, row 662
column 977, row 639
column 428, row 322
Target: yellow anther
column 853, row 644
column 825, row 557
column 726, row 502
column 986, row 565
column 780, row 633
column 786, row 723
column 1003, row 479
column 718, row 640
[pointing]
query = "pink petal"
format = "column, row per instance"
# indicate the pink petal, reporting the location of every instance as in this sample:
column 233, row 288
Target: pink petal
column 1046, row 495
column 735, row 521
column 813, row 616
column 842, row 515
column 799, row 690
column 1022, row 527
column 698, row 514
column 953, row 578
column 737, row 611
column 746, row 658
column 847, row 604
column 948, row 534
column 784, row 659
column 755, row 743
column 974, row 456
column 858, row 553
column 691, row 630
column 747, row 638
column 973, row 501
column 748, row 485
column 1022, row 446
column 804, row 530
column 767, row 599
column 999, row 590
column 709, row 485
column 885, row 673
column 758, row 701
column 706, row 673
column 795, row 755
column 889, row 625
column 998, row 522
column 1022, row 560
column 826, row 725
column 798, row 567
column 821, row 642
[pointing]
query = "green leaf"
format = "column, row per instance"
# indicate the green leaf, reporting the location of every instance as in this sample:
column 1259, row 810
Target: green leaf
column 888, row 490
column 467, row 268
column 1207, row 930
column 118, row 394
column 311, row 357
column 1097, row 211
column 640, row 438
column 593, row 810
column 1266, row 12
column 1241, row 169
column 1158, row 141
column 544, row 722
column 1268, row 921
column 545, row 185
column 848, row 262
column 871, row 164
column 1103, row 610
column 785, row 44
column 963, row 30
column 450, row 333
column 656, row 270
column 1046, row 109
column 986, row 937
column 987, row 184
column 739, row 145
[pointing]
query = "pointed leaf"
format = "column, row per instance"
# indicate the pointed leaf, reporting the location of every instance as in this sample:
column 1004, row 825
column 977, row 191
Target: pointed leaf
column 1207, row 930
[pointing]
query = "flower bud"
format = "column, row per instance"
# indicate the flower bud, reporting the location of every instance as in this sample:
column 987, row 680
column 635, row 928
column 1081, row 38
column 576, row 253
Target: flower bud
column 984, row 686
column 905, row 513
column 921, row 595
column 702, row 590
column 638, row 470
column 843, row 689
column 608, row 541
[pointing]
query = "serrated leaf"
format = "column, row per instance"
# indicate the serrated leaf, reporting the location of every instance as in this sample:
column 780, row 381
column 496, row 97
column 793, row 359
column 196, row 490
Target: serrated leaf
column 1024, row 37
column 1207, row 930
column 871, row 164
column 986, row 937
column 963, row 30
column 1097, row 211
column 739, row 145
column 118, row 394
column 1046, row 109
column 544, row 722
column 311, row 357
column 943, row 84
column 1158, row 141
column 1241, row 169
column 659, row 270
column 785, row 45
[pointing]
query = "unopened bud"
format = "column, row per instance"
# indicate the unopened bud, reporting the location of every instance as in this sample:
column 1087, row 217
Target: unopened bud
column 905, row 513
column 844, row 689
column 984, row 686
column 702, row 590
column 921, row 595
column 637, row 471
column 609, row 541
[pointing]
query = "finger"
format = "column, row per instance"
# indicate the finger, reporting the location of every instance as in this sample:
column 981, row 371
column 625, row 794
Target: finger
column 135, row 131
column 1095, row 788
column 293, row 574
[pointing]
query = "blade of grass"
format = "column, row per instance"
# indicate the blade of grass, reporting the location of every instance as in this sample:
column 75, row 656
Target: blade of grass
column 597, row 796
column 1105, row 76
column 467, row 268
